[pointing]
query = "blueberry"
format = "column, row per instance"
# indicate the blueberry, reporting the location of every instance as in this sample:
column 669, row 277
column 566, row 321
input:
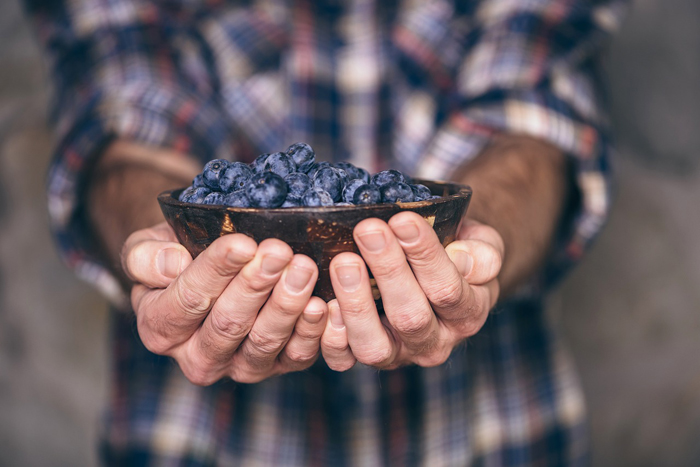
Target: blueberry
column 420, row 192
column 212, row 172
column 194, row 195
column 396, row 192
column 362, row 174
column 331, row 181
column 235, row 177
column 302, row 155
column 215, row 198
column 280, row 163
column 237, row 199
column 317, row 197
column 435, row 197
column 298, row 184
column 350, row 188
column 388, row 176
column 354, row 173
column 311, row 172
column 343, row 203
column 258, row 165
column 292, row 202
column 266, row 190
column 367, row 194
column 186, row 193
column 344, row 178
column 198, row 181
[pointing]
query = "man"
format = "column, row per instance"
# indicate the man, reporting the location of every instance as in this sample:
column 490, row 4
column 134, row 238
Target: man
column 498, row 94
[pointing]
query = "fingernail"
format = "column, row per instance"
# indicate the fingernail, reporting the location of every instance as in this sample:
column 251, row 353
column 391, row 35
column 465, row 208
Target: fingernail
column 272, row 264
column 297, row 278
column 373, row 241
column 348, row 276
column 336, row 316
column 169, row 262
column 312, row 317
column 407, row 232
column 463, row 261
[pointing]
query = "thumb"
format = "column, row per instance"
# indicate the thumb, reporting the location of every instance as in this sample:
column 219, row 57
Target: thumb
column 154, row 263
column 478, row 254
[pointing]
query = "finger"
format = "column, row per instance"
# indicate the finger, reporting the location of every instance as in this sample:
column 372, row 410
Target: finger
column 369, row 340
column 334, row 342
column 405, row 304
column 304, row 346
column 478, row 252
column 235, row 310
column 175, row 313
column 437, row 275
column 155, row 263
column 153, row 257
column 471, row 318
column 275, row 323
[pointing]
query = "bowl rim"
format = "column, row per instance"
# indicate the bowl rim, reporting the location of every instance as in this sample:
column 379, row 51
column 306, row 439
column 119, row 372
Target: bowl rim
column 464, row 191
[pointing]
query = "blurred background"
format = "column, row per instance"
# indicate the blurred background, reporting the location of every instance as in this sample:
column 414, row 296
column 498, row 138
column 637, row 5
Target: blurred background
column 630, row 312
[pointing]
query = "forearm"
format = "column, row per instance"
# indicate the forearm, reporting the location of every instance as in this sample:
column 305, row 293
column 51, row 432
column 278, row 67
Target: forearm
column 121, row 195
column 520, row 188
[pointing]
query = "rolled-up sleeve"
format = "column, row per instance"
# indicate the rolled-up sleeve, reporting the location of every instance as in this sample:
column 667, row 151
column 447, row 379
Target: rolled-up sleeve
column 120, row 69
column 530, row 72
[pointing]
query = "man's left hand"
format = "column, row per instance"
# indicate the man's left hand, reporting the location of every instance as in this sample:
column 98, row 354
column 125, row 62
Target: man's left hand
column 433, row 297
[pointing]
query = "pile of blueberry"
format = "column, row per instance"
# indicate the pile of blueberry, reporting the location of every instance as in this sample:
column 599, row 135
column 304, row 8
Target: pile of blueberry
column 294, row 178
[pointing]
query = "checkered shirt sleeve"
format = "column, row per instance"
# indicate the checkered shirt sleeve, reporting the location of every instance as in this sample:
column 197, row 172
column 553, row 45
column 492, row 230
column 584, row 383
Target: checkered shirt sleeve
column 116, row 74
column 530, row 71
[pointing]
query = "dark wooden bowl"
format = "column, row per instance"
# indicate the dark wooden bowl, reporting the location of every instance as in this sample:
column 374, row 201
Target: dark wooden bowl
column 319, row 232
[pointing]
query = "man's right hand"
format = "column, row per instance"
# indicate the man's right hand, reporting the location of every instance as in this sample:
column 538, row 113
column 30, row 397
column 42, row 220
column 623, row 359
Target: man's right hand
column 239, row 310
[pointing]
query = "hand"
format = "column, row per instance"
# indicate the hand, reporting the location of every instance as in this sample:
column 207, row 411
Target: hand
column 433, row 297
column 239, row 309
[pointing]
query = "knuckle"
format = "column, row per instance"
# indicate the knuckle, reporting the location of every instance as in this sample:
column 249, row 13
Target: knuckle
column 356, row 306
column 229, row 327
column 300, row 357
column 200, row 376
column 246, row 376
column 285, row 305
column 388, row 268
column 448, row 296
column 264, row 343
column 468, row 327
column 379, row 358
column 425, row 252
column 156, row 343
column 219, row 267
column 432, row 359
column 154, row 336
column 343, row 365
column 254, row 284
column 192, row 301
column 212, row 352
column 307, row 333
column 335, row 345
column 412, row 323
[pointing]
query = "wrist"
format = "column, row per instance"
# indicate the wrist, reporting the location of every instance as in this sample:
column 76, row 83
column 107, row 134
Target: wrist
column 520, row 188
column 122, row 189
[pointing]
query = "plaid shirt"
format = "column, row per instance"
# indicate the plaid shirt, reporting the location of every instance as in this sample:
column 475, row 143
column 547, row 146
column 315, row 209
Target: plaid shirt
column 417, row 85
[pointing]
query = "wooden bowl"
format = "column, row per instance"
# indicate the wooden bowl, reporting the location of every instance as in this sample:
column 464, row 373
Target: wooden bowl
column 318, row 232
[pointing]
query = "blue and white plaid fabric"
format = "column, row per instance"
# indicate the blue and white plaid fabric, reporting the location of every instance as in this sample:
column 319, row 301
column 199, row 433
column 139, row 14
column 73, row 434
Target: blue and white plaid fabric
column 419, row 85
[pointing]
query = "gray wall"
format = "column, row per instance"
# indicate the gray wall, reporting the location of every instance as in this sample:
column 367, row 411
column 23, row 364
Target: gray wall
column 631, row 311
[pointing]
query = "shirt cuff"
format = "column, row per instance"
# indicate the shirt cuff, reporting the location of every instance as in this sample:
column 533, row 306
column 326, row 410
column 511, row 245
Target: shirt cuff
column 152, row 115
